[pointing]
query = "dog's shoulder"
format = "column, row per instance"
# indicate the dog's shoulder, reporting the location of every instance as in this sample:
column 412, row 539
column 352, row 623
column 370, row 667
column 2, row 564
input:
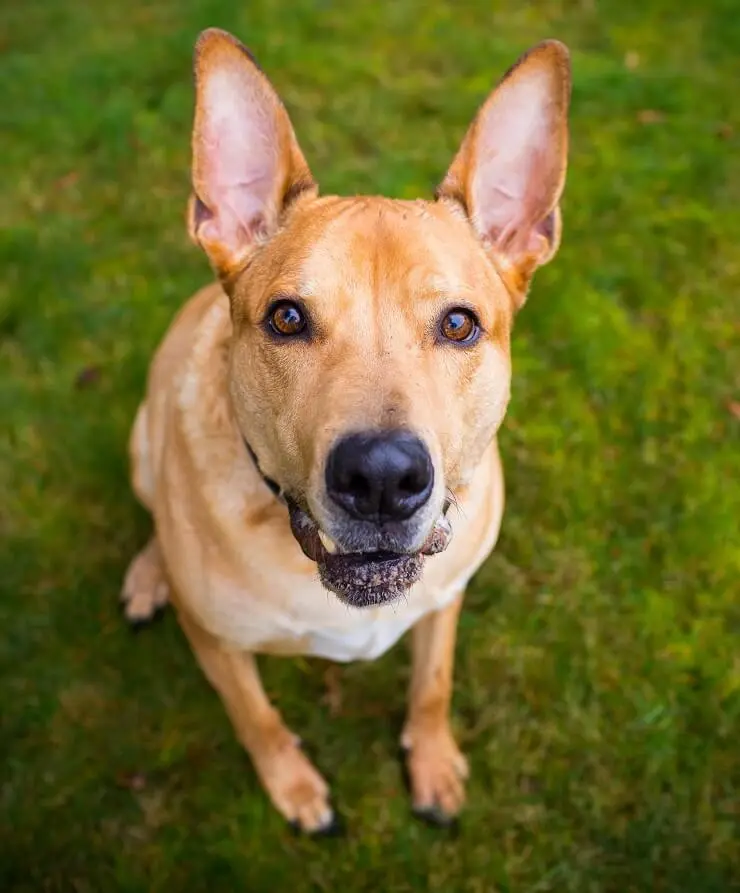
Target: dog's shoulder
column 195, row 345
column 188, row 404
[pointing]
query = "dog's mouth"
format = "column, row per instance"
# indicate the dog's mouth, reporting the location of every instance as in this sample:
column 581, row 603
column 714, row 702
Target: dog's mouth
column 365, row 579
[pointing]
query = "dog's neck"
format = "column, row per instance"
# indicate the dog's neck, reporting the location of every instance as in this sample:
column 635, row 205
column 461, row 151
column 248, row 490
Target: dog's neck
column 271, row 485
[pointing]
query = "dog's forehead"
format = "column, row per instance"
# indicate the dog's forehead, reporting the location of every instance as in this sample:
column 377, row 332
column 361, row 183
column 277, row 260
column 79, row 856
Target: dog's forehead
column 383, row 245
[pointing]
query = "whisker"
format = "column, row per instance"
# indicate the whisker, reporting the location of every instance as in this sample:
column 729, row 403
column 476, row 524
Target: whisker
column 455, row 502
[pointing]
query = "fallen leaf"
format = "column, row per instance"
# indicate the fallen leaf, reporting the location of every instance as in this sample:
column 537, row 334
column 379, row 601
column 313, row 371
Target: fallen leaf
column 650, row 116
column 734, row 407
column 725, row 131
column 87, row 377
column 133, row 781
column 631, row 60
column 333, row 695
column 68, row 180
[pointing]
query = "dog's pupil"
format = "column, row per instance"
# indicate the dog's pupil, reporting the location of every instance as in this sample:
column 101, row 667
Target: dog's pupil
column 457, row 325
column 289, row 318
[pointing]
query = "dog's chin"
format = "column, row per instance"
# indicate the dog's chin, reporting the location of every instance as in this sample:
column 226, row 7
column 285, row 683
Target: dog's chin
column 365, row 579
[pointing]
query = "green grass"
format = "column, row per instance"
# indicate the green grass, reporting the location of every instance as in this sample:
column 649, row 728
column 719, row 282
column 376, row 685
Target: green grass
column 598, row 682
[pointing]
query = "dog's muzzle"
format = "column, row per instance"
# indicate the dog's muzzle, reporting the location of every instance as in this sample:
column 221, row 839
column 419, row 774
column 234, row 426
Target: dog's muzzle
column 365, row 579
column 378, row 480
column 378, row 484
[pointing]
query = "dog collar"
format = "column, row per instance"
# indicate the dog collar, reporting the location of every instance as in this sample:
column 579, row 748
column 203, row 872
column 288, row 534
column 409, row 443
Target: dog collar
column 271, row 485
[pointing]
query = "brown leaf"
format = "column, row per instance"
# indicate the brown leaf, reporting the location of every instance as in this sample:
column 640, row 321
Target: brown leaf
column 133, row 781
column 87, row 377
column 67, row 180
column 333, row 695
column 725, row 131
column 650, row 116
column 734, row 407
column 631, row 60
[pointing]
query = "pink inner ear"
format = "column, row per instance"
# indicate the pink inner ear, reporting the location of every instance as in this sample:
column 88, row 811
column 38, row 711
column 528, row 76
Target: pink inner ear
column 237, row 155
column 512, row 165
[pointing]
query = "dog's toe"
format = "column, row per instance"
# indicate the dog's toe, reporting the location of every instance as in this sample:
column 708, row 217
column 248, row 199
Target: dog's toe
column 437, row 818
column 334, row 827
column 440, row 800
column 318, row 820
column 137, row 624
column 435, row 774
column 145, row 590
column 297, row 789
column 141, row 608
column 311, row 811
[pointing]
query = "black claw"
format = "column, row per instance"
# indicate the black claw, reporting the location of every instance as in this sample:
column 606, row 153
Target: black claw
column 335, row 828
column 140, row 623
column 435, row 817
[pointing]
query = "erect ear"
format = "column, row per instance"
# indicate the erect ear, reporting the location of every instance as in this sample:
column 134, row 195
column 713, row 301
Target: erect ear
column 510, row 170
column 247, row 164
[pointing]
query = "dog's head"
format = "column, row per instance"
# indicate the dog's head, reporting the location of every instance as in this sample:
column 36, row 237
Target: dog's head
column 370, row 359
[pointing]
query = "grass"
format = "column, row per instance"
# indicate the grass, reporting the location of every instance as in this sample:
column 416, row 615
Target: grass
column 598, row 681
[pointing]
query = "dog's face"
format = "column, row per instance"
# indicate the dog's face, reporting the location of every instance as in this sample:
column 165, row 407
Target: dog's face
column 370, row 359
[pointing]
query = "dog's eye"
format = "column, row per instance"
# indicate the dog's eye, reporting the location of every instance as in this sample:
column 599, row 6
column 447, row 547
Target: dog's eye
column 287, row 319
column 460, row 325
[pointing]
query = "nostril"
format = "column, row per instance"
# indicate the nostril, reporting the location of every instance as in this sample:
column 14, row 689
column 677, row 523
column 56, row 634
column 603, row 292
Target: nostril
column 411, row 484
column 359, row 485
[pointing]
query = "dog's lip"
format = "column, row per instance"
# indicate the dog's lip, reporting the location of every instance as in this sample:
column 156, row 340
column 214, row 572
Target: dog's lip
column 379, row 557
column 363, row 579
column 307, row 532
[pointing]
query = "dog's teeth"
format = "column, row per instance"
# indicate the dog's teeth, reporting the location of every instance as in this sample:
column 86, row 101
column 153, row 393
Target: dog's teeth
column 327, row 543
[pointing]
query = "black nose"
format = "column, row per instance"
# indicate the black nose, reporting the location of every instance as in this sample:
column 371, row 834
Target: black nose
column 380, row 476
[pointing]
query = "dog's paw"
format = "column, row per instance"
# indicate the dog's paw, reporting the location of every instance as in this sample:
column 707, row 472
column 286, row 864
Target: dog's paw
column 297, row 790
column 437, row 771
column 145, row 590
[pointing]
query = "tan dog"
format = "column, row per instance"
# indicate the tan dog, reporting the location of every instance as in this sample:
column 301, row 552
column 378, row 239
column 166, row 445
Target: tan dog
column 309, row 421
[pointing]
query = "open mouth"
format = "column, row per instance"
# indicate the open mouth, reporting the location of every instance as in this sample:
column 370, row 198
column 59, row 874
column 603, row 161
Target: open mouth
column 365, row 579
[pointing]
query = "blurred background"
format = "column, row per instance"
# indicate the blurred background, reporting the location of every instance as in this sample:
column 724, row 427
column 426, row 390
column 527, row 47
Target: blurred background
column 598, row 680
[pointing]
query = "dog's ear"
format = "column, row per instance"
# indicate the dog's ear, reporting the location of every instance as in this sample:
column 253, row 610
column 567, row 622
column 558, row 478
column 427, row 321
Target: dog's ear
column 247, row 165
column 510, row 170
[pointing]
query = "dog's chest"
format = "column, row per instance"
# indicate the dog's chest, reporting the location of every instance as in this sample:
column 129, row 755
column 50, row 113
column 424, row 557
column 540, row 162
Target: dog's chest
column 301, row 617
column 253, row 588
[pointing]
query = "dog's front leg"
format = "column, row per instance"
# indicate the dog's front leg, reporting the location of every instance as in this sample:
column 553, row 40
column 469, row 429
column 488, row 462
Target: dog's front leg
column 436, row 767
column 294, row 786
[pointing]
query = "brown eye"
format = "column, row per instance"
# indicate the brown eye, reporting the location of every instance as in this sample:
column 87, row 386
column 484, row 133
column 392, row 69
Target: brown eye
column 461, row 326
column 287, row 319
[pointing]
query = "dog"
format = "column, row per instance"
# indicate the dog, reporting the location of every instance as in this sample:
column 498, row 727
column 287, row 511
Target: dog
column 317, row 443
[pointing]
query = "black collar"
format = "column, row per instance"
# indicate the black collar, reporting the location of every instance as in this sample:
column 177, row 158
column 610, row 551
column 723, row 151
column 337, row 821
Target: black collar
column 271, row 485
